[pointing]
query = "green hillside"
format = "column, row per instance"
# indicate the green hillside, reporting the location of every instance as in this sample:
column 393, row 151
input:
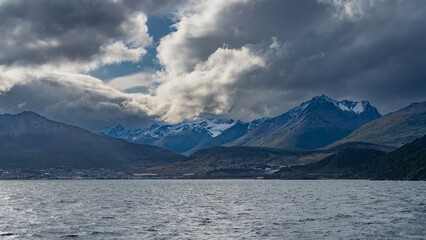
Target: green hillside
column 394, row 129
column 405, row 163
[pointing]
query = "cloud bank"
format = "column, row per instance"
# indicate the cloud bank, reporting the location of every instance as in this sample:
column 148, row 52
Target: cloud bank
column 241, row 59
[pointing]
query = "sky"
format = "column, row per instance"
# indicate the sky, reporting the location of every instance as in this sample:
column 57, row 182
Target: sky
column 96, row 63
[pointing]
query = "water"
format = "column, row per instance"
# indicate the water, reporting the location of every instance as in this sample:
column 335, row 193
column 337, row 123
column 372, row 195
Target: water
column 212, row 209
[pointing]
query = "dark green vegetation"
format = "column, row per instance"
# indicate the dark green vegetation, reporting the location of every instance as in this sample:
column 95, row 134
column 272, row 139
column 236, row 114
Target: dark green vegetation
column 221, row 159
column 238, row 157
column 28, row 140
column 394, row 129
column 405, row 163
column 348, row 163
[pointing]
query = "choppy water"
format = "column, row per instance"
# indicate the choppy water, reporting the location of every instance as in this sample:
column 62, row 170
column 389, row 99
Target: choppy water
column 212, row 209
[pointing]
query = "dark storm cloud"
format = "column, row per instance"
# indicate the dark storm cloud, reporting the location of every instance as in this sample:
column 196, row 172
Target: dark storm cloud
column 43, row 42
column 47, row 31
column 370, row 50
column 75, row 99
column 155, row 7
column 232, row 58
column 376, row 56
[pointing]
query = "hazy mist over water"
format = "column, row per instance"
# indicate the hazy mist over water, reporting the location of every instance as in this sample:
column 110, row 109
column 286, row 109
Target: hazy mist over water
column 212, row 209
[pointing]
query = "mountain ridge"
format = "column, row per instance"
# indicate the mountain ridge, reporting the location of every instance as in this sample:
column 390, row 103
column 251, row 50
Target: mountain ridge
column 312, row 124
column 394, row 129
column 281, row 131
column 179, row 137
column 405, row 163
column 31, row 140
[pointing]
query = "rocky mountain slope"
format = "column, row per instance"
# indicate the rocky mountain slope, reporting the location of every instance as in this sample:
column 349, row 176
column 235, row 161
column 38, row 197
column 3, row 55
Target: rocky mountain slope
column 179, row 137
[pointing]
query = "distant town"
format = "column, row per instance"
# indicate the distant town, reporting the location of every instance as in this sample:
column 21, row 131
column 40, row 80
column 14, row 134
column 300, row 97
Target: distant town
column 238, row 171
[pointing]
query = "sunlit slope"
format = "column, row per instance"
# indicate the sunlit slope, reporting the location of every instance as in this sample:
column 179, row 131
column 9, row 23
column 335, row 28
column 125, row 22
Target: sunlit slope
column 394, row 129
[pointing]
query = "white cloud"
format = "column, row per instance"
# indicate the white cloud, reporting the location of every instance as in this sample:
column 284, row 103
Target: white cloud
column 307, row 47
column 207, row 88
column 197, row 20
column 118, row 52
column 73, row 98
column 147, row 80
column 136, row 30
column 240, row 59
column 43, row 53
column 352, row 9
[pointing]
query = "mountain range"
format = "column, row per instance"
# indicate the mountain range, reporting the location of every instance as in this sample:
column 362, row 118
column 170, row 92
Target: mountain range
column 305, row 135
column 312, row 124
column 178, row 138
column 28, row 140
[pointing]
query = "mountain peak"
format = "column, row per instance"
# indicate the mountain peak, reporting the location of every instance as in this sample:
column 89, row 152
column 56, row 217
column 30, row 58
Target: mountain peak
column 29, row 114
column 112, row 131
column 324, row 98
column 344, row 105
column 119, row 127
column 414, row 107
column 153, row 126
column 24, row 114
column 312, row 124
column 178, row 137
column 30, row 142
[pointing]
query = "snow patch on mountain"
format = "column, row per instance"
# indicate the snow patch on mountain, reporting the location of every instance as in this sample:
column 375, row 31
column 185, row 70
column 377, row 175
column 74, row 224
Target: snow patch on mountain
column 294, row 112
column 345, row 105
column 356, row 107
column 359, row 108
column 214, row 127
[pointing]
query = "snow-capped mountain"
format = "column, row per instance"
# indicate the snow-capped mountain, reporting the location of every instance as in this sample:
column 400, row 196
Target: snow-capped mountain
column 178, row 137
column 345, row 105
column 213, row 127
column 312, row 124
column 309, row 117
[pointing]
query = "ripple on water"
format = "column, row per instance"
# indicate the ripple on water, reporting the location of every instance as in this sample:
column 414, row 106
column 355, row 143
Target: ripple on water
column 219, row 209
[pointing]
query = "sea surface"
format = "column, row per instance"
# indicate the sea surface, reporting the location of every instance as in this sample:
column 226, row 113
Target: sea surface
column 212, row 209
